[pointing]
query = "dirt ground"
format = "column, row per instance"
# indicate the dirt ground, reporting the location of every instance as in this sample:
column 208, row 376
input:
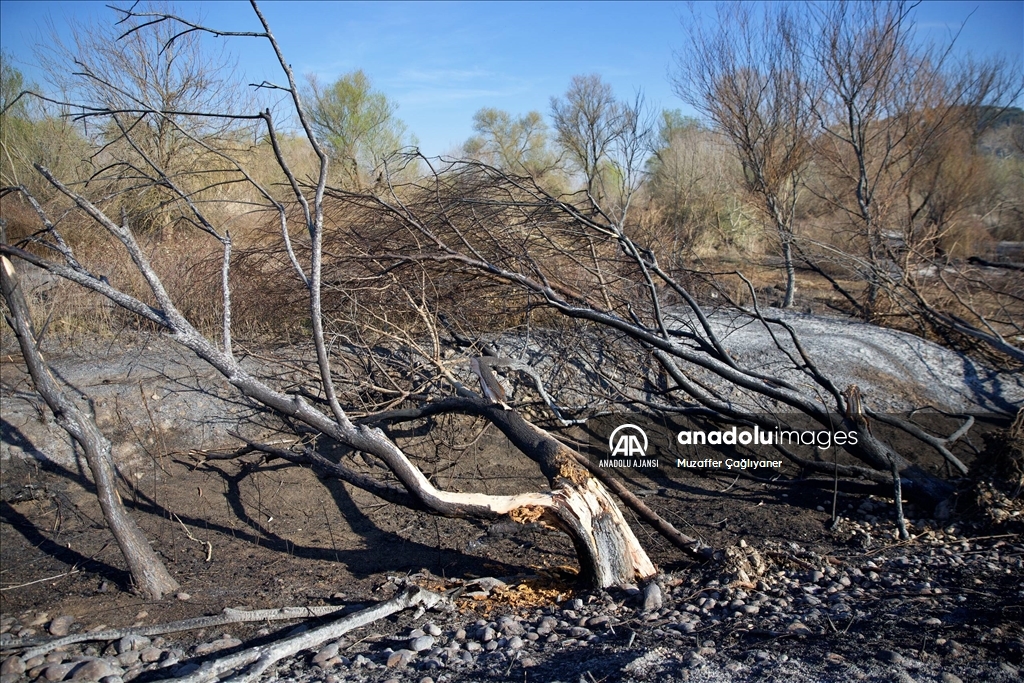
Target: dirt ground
column 247, row 532
column 256, row 534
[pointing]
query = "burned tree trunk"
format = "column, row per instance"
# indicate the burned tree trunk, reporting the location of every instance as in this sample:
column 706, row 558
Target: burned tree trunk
column 148, row 572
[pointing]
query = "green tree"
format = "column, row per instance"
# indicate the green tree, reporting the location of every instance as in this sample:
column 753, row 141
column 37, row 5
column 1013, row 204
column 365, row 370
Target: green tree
column 692, row 177
column 518, row 145
column 357, row 123
column 31, row 134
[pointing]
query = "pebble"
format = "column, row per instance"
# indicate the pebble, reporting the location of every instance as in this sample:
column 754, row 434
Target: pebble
column 12, row 665
column 948, row 677
column 61, row 625
column 204, row 649
column 421, row 643
column 57, row 672
column 400, row 658
column 652, row 597
column 132, row 642
column 93, row 670
column 326, row 654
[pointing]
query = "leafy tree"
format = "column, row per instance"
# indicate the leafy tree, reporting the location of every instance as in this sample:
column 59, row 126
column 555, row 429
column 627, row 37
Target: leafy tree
column 357, row 123
column 518, row 145
column 31, row 134
column 691, row 175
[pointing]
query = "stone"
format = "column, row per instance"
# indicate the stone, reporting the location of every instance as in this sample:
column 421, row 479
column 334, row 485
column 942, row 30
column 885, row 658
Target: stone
column 38, row 620
column 183, row 596
column 58, row 672
column 93, row 670
column 799, row 628
column 204, row 649
column 948, row 677
column 12, row 665
column 652, row 597
column 510, row 627
column 151, row 654
column 432, row 630
column 126, row 659
column 132, row 642
column 421, row 643
column 400, row 658
column 326, row 654
column 61, row 625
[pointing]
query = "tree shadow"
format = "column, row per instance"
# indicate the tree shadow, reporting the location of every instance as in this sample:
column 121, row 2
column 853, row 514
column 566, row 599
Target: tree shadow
column 379, row 551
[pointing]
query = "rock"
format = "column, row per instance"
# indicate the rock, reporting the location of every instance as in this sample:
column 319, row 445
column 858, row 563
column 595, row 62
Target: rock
column 326, row 654
column 183, row 596
column 487, row 583
column 10, row 678
column 400, row 658
column 151, row 654
column 126, row 659
column 61, row 625
column 421, row 643
column 652, row 597
column 798, row 628
column 58, row 672
column 132, row 642
column 510, row 627
column 93, row 670
column 204, row 649
column 487, row 634
column 889, row 656
column 34, row 662
column 948, row 677
column 514, row 643
column 432, row 630
column 460, row 634
column 12, row 665
column 38, row 620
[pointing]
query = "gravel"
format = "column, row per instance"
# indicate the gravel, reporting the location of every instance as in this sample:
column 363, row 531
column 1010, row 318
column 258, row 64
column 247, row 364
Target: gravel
column 896, row 612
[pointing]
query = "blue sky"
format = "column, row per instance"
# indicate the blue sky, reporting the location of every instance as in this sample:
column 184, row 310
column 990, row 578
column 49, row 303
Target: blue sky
column 441, row 62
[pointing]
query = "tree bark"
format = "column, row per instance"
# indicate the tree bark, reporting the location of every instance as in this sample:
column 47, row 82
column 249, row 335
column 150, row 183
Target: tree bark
column 148, row 572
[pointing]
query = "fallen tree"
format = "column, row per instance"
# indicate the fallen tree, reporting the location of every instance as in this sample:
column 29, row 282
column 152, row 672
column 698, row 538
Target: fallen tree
column 578, row 504
column 382, row 271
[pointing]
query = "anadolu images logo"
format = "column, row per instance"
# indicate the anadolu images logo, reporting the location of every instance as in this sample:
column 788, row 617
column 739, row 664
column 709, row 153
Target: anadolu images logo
column 628, row 444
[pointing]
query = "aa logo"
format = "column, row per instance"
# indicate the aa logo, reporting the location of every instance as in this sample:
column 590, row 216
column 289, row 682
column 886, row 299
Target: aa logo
column 628, row 441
